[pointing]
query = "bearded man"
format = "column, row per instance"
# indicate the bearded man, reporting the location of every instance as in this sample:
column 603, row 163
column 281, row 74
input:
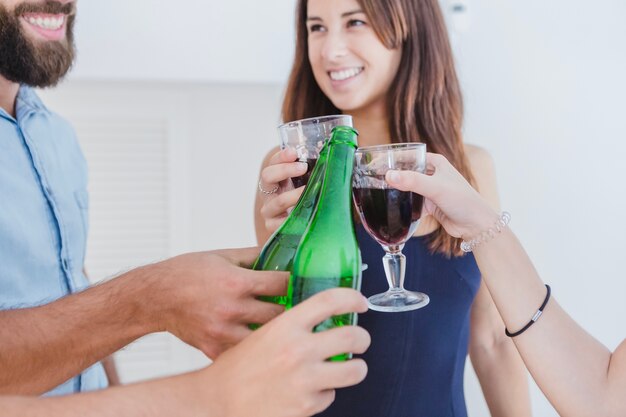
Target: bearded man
column 43, row 197
column 36, row 41
column 54, row 332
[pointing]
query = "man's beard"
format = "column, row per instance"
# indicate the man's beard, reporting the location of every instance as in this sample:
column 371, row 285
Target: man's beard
column 37, row 63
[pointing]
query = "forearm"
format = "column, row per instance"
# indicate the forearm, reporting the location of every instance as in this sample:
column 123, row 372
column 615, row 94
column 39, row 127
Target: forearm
column 167, row 397
column 569, row 365
column 503, row 379
column 44, row 346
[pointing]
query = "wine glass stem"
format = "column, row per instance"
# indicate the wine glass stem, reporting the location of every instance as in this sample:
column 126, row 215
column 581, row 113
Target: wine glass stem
column 395, row 265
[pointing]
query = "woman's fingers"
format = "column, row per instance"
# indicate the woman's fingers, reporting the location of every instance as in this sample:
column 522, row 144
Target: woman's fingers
column 275, row 174
column 281, row 166
column 439, row 174
column 284, row 155
column 271, row 225
column 410, row 181
column 277, row 206
column 274, row 211
column 276, row 202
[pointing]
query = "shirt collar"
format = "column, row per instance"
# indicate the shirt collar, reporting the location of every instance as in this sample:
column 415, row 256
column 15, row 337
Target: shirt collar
column 27, row 101
column 26, row 97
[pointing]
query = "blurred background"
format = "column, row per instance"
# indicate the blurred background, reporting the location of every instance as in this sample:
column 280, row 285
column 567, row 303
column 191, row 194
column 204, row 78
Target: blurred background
column 175, row 110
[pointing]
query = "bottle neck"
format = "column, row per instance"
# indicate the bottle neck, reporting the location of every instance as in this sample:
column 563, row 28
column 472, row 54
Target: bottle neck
column 335, row 199
column 301, row 213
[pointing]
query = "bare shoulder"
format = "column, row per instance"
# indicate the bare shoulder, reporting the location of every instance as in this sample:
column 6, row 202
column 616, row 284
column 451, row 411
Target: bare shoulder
column 480, row 160
column 484, row 172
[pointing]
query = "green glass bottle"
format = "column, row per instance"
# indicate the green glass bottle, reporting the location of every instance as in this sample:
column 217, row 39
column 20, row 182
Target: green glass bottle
column 329, row 255
column 280, row 249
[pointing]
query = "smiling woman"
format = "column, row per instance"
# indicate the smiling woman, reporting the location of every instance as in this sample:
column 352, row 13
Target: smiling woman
column 42, row 35
column 351, row 66
column 389, row 64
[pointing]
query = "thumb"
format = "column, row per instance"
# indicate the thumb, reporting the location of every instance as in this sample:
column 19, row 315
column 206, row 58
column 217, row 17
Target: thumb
column 411, row 181
column 326, row 304
column 243, row 257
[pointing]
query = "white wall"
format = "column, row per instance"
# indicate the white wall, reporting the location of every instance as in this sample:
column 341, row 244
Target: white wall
column 544, row 88
column 235, row 40
column 544, row 93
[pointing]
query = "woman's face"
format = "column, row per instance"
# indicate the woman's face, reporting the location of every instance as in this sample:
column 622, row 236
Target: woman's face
column 350, row 63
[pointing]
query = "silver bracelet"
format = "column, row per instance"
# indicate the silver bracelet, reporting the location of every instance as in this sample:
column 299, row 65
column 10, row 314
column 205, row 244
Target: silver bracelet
column 488, row 234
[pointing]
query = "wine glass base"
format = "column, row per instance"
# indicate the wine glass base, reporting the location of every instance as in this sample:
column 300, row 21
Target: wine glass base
column 394, row 301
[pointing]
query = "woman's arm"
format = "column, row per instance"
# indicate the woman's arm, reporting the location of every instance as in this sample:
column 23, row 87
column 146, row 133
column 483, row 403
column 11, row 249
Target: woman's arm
column 500, row 370
column 578, row 375
column 497, row 363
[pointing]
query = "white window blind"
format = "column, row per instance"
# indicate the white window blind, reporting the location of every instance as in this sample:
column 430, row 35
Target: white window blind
column 129, row 217
column 172, row 170
column 128, row 188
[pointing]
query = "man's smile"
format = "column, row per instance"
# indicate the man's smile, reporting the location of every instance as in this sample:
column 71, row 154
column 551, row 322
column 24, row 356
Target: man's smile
column 49, row 26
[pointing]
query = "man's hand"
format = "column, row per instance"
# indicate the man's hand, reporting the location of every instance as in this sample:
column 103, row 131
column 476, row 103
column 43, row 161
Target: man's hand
column 281, row 369
column 207, row 299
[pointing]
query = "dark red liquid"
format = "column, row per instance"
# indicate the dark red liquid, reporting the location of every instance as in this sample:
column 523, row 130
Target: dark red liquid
column 389, row 215
column 304, row 179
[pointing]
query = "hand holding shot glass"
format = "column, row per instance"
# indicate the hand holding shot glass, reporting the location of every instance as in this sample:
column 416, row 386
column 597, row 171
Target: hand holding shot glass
column 390, row 216
column 307, row 137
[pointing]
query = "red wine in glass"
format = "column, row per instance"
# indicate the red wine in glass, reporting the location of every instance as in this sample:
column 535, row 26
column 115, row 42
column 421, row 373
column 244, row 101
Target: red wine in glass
column 390, row 216
column 304, row 179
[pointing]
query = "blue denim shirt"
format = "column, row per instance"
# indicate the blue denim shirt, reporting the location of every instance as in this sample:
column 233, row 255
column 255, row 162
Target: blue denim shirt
column 43, row 215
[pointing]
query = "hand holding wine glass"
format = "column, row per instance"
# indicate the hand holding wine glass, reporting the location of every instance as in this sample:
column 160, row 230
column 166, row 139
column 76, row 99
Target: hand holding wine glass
column 389, row 215
column 450, row 199
column 273, row 205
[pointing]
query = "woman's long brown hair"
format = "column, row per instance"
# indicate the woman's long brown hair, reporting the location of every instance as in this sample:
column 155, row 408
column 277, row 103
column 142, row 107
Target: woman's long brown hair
column 424, row 102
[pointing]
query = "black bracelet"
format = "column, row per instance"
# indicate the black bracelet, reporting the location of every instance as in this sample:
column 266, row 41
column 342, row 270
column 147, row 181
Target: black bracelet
column 534, row 319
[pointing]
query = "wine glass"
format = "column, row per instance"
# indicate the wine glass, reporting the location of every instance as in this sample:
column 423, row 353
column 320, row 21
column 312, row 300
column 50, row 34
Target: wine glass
column 389, row 215
column 307, row 136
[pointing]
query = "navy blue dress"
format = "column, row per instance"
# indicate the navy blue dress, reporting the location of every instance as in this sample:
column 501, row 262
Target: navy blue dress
column 416, row 359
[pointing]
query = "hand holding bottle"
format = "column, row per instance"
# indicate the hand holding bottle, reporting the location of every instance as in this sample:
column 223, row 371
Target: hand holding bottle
column 281, row 369
column 207, row 299
column 449, row 197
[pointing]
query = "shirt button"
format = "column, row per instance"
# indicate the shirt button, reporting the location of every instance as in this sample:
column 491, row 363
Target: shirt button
column 65, row 263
